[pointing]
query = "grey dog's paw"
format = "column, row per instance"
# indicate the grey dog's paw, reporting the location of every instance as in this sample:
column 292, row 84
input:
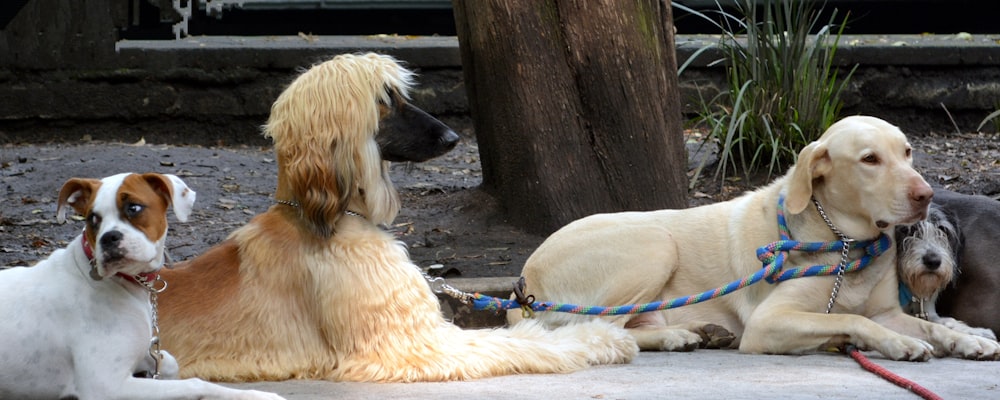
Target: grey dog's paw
column 715, row 337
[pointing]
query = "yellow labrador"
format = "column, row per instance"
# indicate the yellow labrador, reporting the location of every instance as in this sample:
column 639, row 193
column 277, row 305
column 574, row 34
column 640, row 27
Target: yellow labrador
column 860, row 172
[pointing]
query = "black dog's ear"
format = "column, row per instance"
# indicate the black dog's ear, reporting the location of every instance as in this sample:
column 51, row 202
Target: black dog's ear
column 903, row 231
column 948, row 223
column 955, row 237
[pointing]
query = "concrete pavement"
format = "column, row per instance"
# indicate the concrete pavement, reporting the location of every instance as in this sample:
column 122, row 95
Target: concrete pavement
column 705, row 374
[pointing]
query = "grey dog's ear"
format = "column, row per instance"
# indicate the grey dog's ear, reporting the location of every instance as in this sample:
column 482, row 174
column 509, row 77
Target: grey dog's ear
column 813, row 163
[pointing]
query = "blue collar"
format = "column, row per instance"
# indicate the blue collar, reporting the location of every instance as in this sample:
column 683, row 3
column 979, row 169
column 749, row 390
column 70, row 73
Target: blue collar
column 905, row 295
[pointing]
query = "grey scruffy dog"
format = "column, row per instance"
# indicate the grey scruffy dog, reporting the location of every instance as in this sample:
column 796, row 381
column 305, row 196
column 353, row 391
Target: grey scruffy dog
column 933, row 265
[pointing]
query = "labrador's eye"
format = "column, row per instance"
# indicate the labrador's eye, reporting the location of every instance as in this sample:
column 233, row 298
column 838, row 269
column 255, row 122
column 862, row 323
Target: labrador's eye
column 909, row 152
column 870, row 159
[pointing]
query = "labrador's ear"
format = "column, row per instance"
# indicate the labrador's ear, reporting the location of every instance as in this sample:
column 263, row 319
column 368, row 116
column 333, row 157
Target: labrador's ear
column 813, row 163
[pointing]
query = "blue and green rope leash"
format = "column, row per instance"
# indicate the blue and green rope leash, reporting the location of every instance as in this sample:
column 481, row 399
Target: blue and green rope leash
column 772, row 256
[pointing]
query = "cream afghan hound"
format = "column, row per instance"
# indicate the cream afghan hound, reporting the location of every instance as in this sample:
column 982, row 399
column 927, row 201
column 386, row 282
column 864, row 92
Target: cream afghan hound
column 315, row 289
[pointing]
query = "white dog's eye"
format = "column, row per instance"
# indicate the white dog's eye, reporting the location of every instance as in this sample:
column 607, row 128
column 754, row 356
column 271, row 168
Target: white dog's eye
column 94, row 220
column 909, row 151
column 133, row 209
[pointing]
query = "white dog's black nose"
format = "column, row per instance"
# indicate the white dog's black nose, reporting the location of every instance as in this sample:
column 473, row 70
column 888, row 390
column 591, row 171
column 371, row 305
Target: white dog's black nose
column 110, row 246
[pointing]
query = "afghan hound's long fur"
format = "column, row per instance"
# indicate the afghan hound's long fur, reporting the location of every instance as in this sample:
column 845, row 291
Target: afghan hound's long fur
column 314, row 289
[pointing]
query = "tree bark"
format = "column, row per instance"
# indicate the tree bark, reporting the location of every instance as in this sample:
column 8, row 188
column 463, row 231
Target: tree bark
column 575, row 106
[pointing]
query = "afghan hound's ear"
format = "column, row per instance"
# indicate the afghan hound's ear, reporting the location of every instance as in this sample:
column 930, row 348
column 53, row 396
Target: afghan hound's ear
column 320, row 184
column 813, row 163
column 327, row 179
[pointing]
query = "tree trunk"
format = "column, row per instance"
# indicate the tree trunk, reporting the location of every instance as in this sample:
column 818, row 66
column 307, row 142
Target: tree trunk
column 575, row 106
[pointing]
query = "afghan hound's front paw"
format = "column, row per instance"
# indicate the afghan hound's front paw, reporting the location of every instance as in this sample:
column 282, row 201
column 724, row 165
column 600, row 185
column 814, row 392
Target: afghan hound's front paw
column 608, row 344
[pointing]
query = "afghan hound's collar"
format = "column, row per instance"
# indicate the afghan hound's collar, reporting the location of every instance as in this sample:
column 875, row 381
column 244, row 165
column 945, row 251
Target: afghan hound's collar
column 355, row 214
column 296, row 205
column 287, row 203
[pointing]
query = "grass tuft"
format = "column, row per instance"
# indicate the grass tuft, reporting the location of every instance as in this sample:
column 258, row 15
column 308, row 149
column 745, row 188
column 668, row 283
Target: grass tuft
column 784, row 89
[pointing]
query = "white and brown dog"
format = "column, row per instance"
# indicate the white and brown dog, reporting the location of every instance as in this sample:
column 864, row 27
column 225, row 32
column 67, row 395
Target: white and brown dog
column 79, row 324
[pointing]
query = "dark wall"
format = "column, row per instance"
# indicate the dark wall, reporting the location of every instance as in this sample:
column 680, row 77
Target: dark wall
column 66, row 76
column 54, row 34
column 435, row 18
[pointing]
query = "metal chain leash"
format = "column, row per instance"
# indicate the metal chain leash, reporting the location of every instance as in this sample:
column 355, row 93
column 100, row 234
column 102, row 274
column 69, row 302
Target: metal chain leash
column 843, row 255
column 154, row 342
column 439, row 286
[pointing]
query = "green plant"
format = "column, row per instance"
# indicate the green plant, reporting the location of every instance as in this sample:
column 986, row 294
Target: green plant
column 783, row 86
column 995, row 117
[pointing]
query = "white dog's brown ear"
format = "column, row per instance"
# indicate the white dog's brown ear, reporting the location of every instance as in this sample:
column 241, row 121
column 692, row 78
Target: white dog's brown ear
column 813, row 163
column 77, row 193
column 175, row 191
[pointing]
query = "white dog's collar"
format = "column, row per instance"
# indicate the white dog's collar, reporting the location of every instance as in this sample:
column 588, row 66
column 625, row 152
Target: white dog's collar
column 140, row 279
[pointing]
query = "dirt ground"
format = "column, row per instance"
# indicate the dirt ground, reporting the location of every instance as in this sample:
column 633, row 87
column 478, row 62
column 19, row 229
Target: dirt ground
column 451, row 227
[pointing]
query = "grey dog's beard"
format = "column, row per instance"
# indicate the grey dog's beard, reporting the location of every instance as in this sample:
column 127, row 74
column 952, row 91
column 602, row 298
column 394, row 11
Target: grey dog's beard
column 924, row 283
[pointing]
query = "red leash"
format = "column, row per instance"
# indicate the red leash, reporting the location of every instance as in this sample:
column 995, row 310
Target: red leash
column 900, row 381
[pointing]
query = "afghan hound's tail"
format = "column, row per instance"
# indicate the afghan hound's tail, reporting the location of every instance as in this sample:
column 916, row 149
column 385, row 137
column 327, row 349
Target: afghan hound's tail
column 398, row 334
column 395, row 331
column 525, row 348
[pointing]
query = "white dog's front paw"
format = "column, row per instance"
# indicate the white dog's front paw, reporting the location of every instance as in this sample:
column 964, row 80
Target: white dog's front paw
column 976, row 348
column 169, row 369
column 905, row 348
column 258, row 395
